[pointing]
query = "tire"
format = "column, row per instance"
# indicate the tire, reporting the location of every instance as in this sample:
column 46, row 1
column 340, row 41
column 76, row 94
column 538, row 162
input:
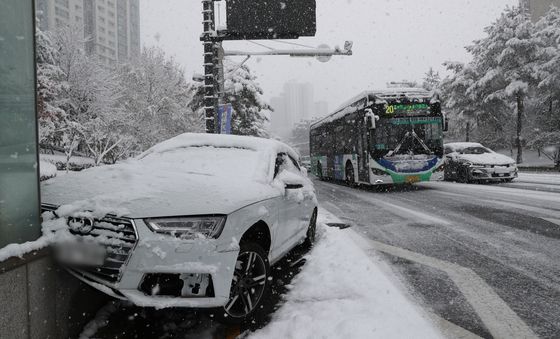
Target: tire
column 248, row 295
column 446, row 175
column 464, row 175
column 311, row 231
column 350, row 178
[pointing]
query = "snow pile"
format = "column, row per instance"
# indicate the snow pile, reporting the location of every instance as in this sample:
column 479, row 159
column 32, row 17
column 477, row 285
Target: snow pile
column 342, row 293
column 55, row 230
column 75, row 163
column 47, row 170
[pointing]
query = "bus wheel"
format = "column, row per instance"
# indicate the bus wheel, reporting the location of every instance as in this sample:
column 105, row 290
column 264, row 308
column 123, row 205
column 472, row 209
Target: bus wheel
column 350, row 178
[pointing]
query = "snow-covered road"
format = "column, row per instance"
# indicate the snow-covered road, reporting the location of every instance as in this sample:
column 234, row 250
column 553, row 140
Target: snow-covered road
column 507, row 237
column 538, row 181
column 342, row 292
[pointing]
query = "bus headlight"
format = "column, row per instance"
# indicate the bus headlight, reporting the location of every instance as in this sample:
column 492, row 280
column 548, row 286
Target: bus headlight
column 377, row 171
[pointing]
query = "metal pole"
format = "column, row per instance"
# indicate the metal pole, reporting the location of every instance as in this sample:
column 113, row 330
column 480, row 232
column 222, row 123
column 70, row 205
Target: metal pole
column 209, row 65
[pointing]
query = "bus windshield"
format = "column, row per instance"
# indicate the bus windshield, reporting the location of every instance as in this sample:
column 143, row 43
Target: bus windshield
column 402, row 136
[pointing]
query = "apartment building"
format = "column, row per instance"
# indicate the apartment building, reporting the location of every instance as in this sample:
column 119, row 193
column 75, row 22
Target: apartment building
column 538, row 8
column 111, row 27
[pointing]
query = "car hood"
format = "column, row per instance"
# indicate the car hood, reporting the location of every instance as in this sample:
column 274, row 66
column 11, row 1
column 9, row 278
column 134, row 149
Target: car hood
column 487, row 159
column 134, row 192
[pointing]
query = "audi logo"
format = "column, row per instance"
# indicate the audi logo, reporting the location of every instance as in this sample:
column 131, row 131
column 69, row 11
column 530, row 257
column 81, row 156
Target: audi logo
column 82, row 226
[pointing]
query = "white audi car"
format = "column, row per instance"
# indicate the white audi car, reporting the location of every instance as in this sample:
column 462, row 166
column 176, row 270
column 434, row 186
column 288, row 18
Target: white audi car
column 195, row 221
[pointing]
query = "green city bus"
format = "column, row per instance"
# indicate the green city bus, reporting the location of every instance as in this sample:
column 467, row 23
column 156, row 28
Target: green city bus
column 392, row 136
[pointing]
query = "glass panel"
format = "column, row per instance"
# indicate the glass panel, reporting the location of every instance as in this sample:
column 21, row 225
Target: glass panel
column 19, row 198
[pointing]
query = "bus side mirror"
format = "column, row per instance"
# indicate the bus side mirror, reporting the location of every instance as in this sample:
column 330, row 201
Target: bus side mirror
column 445, row 123
column 371, row 119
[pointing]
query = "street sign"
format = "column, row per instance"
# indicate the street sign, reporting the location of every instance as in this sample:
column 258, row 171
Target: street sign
column 271, row 19
column 224, row 118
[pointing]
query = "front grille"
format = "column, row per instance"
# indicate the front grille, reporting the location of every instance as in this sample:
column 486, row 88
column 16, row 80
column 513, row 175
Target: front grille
column 118, row 236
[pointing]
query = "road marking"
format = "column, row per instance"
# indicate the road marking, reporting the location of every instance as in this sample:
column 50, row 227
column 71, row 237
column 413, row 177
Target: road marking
column 500, row 320
column 450, row 330
column 395, row 209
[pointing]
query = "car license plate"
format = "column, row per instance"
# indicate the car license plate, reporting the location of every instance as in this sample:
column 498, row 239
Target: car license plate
column 412, row 179
column 501, row 170
column 81, row 254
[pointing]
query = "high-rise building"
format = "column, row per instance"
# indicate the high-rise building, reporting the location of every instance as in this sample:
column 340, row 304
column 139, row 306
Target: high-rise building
column 296, row 104
column 111, row 27
column 538, row 8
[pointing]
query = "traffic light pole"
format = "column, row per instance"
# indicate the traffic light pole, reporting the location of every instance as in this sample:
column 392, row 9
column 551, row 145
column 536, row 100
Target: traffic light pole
column 214, row 91
column 211, row 66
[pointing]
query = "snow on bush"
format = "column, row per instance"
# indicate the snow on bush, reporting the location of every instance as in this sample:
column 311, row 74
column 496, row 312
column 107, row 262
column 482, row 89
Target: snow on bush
column 46, row 170
column 75, row 163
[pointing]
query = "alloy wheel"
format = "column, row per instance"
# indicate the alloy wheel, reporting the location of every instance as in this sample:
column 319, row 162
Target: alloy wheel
column 248, row 286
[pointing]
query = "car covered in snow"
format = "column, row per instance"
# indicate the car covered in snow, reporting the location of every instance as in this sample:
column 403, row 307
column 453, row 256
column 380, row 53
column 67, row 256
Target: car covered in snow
column 195, row 221
column 470, row 161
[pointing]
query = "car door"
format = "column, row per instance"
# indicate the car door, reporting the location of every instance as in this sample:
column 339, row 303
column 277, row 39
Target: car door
column 290, row 209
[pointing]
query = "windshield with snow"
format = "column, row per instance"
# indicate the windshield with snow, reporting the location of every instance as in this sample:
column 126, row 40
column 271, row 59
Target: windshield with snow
column 474, row 150
column 236, row 163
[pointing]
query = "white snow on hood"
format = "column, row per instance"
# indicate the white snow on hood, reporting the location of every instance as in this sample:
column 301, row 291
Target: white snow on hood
column 188, row 175
column 487, row 159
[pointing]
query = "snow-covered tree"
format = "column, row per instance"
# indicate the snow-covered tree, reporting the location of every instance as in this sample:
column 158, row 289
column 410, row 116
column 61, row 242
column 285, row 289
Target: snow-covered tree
column 546, row 124
column 431, row 80
column 250, row 112
column 50, row 86
column 156, row 98
column 506, row 60
column 460, row 105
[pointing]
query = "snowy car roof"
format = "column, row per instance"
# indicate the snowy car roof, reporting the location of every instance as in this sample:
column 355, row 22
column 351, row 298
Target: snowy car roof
column 220, row 141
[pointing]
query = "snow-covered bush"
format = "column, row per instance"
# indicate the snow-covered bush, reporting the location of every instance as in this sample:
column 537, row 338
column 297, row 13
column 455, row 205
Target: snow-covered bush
column 46, row 170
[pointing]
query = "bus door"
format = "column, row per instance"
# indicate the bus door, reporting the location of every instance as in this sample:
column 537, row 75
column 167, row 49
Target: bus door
column 363, row 159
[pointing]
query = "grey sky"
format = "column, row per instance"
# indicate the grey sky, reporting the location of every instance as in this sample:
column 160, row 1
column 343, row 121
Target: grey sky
column 393, row 40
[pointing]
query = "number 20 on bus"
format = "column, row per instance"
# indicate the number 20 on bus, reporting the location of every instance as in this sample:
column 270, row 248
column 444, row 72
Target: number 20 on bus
column 390, row 109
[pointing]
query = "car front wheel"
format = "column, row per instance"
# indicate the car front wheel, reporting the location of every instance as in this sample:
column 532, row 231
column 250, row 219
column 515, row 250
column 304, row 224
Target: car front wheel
column 464, row 175
column 250, row 287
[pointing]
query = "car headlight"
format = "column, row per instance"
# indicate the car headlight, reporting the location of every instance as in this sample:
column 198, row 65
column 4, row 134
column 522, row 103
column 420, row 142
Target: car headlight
column 189, row 227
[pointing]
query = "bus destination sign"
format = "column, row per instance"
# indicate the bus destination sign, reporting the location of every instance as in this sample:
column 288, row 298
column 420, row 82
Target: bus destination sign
column 411, row 109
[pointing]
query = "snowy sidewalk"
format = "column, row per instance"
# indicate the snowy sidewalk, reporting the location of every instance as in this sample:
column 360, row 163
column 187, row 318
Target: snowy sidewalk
column 342, row 292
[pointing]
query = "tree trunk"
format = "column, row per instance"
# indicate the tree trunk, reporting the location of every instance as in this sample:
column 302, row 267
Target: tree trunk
column 467, row 138
column 520, row 112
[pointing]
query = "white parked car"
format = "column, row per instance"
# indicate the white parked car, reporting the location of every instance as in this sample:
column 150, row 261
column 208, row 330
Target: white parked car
column 195, row 221
column 470, row 161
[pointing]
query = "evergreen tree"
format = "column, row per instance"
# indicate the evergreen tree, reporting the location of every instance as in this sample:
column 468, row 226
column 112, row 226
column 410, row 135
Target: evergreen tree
column 431, row 80
column 250, row 112
column 506, row 60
